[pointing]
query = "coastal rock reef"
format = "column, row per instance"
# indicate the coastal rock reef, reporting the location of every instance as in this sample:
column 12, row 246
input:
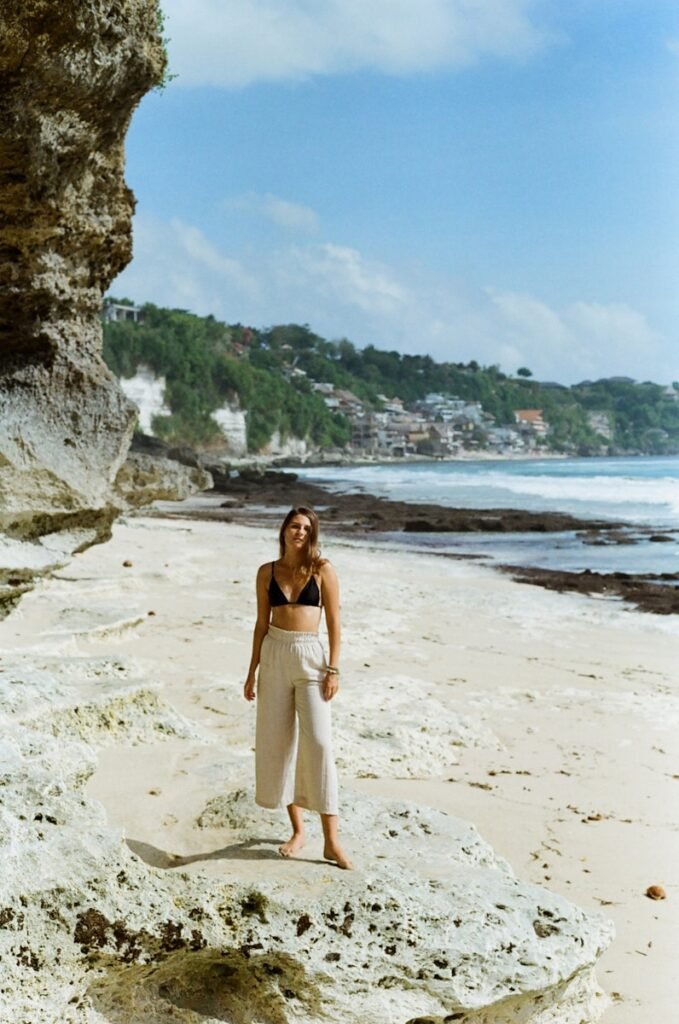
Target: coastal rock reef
column 97, row 929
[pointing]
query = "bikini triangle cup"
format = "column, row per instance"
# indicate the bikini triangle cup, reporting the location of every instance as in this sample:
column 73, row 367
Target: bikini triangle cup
column 309, row 594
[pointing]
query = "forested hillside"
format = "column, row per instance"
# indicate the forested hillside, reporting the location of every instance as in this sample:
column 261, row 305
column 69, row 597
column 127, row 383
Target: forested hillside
column 270, row 374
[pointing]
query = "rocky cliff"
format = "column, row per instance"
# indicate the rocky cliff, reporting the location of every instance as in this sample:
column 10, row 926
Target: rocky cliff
column 70, row 77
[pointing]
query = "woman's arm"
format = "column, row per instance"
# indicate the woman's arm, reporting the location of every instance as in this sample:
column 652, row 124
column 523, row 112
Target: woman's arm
column 331, row 603
column 260, row 630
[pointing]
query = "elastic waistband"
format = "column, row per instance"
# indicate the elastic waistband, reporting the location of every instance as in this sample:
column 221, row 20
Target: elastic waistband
column 290, row 636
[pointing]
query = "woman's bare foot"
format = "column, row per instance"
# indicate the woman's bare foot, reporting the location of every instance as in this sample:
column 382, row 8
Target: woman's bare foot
column 338, row 856
column 293, row 845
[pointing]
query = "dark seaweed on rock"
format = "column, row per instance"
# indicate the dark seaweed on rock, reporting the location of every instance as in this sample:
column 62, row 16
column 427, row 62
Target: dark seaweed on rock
column 653, row 592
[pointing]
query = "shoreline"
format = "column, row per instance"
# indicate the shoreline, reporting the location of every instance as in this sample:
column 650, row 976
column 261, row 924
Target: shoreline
column 319, row 460
column 222, row 461
column 257, row 498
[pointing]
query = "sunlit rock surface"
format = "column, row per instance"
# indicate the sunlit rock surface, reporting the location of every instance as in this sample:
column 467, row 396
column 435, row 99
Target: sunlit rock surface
column 143, row 479
column 431, row 925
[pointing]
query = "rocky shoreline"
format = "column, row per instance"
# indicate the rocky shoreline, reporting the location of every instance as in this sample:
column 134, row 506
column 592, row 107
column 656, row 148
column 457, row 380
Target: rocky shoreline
column 656, row 592
column 253, row 496
column 256, row 497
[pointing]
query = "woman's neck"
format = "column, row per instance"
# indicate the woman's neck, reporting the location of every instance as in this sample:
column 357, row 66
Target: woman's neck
column 291, row 560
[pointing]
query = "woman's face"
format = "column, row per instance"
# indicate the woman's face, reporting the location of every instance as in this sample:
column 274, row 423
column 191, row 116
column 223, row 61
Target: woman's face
column 297, row 533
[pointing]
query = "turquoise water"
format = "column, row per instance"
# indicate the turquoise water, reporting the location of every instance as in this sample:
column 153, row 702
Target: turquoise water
column 641, row 492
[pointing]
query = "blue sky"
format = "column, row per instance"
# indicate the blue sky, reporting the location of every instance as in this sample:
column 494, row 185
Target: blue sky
column 477, row 179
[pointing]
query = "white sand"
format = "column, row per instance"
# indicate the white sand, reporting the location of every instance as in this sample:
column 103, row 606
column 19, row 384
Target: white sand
column 550, row 721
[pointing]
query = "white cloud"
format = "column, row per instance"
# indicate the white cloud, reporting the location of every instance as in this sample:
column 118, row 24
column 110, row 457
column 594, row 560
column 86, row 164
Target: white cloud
column 175, row 265
column 343, row 275
column 203, row 253
column 283, row 212
column 524, row 317
column 587, row 339
column 289, row 215
column 234, row 43
column 342, row 293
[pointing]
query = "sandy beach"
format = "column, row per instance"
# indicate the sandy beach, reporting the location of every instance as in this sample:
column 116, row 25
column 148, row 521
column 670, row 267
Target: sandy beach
column 548, row 720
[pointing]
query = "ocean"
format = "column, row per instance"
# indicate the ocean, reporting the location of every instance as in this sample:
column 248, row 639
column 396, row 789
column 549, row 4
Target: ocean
column 642, row 492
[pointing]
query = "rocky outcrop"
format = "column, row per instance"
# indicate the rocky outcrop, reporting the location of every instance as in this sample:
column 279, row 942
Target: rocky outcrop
column 433, row 926
column 651, row 592
column 145, row 478
column 24, row 562
column 70, row 77
column 142, row 479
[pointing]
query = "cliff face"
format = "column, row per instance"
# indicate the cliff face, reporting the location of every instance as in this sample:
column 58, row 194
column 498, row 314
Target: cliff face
column 70, row 77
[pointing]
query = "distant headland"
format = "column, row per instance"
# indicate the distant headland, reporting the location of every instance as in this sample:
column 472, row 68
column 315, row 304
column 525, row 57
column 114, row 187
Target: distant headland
column 286, row 391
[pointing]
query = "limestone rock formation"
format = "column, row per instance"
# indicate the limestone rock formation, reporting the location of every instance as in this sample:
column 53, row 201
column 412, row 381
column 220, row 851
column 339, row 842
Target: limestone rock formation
column 70, row 77
column 145, row 478
column 98, row 930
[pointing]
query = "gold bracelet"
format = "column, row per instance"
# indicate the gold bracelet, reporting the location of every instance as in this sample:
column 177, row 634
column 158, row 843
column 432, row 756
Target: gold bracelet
column 332, row 670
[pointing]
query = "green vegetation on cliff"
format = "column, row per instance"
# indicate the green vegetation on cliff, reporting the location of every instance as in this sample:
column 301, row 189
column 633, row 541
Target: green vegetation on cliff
column 269, row 373
column 204, row 367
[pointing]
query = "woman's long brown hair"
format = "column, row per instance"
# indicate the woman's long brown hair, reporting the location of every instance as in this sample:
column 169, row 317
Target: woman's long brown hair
column 312, row 553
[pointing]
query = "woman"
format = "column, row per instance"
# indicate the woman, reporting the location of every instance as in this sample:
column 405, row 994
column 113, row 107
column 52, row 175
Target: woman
column 296, row 683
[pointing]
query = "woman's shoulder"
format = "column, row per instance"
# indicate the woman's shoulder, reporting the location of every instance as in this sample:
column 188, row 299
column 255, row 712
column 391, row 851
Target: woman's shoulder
column 265, row 568
column 325, row 567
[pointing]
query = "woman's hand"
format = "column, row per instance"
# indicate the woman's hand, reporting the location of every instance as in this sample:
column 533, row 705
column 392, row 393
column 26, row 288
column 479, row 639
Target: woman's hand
column 330, row 685
column 249, row 688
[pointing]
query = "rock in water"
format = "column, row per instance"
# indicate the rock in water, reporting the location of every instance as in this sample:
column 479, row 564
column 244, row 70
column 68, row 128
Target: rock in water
column 70, row 77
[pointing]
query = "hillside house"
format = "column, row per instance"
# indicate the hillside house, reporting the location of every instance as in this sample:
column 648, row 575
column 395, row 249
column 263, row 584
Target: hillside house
column 530, row 420
column 505, row 439
column 367, row 433
column 121, row 312
column 349, row 404
column 443, row 440
column 441, row 407
column 293, row 373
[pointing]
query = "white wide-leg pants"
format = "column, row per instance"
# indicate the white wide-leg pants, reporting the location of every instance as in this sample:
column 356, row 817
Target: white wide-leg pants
column 294, row 762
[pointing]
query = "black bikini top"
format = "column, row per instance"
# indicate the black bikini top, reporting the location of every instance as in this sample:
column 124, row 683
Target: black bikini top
column 309, row 594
